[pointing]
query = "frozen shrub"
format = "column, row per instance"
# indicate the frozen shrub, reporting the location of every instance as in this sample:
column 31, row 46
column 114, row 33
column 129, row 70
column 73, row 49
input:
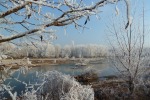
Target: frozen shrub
column 112, row 90
column 29, row 96
column 63, row 87
column 88, row 75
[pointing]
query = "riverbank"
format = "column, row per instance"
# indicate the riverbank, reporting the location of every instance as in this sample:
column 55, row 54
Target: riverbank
column 34, row 62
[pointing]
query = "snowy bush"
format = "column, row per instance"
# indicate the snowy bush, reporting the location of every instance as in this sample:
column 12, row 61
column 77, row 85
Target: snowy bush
column 63, row 87
column 52, row 85
column 29, row 96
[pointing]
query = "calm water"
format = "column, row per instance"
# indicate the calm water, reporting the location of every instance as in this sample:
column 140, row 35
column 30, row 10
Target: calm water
column 104, row 69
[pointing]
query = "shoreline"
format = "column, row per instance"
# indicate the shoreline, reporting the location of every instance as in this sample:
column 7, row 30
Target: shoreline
column 35, row 62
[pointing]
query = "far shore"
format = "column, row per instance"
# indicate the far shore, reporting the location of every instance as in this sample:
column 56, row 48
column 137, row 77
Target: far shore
column 35, row 62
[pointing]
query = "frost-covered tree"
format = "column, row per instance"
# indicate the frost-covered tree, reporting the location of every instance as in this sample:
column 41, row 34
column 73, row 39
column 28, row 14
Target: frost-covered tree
column 20, row 18
column 5, row 48
column 50, row 51
column 57, row 51
column 127, row 46
column 89, row 51
column 66, row 51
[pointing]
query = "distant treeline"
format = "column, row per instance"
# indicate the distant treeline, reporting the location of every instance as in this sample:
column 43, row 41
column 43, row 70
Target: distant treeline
column 47, row 50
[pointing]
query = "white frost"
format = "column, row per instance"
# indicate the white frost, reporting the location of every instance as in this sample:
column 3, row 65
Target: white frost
column 117, row 10
column 59, row 86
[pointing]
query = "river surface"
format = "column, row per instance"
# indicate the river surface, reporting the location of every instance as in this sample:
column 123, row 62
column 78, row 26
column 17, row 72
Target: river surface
column 103, row 69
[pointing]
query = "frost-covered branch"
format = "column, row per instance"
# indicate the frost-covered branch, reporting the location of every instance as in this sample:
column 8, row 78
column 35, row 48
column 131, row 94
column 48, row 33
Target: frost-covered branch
column 33, row 18
column 13, row 96
column 129, row 17
column 13, row 10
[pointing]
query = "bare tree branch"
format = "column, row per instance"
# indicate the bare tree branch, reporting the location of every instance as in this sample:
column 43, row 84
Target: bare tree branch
column 67, row 17
column 13, row 10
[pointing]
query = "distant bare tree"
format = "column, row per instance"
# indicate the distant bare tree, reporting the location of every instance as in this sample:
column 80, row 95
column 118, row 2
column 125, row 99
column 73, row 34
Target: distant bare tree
column 127, row 46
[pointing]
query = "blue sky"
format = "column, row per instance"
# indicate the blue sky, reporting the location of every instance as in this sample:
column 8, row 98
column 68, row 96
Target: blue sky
column 93, row 34
column 97, row 32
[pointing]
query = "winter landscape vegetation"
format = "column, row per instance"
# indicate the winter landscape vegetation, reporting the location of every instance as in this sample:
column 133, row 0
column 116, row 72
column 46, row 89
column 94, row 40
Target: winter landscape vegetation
column 74, row 50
